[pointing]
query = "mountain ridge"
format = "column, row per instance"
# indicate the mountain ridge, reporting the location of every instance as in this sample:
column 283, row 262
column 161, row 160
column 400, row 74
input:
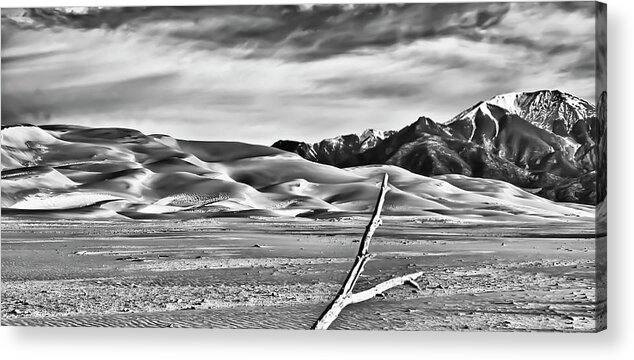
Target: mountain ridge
column 534, row 140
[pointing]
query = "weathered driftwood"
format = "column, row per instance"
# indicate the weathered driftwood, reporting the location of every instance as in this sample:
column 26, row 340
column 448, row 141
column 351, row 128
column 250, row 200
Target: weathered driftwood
column 345, row 296
column 384, row 286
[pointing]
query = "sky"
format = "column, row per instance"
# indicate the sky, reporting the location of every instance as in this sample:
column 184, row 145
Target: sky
column 258, row 74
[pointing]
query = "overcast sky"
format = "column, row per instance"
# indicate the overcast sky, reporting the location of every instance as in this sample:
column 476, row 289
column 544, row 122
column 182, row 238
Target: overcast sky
column 259, row 74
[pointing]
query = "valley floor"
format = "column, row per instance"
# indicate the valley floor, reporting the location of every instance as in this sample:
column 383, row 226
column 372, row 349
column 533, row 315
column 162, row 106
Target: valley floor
column 281, row 273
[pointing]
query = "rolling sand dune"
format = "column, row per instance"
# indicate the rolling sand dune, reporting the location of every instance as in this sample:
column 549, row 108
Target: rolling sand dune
column 73, row 171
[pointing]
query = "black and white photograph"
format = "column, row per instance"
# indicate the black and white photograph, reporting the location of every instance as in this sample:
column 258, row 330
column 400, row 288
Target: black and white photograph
column 391, row 167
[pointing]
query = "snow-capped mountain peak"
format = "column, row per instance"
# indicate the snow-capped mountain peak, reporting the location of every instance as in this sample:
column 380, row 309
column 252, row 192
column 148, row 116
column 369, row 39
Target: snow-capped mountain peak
column 541, row 108
column 370, row 137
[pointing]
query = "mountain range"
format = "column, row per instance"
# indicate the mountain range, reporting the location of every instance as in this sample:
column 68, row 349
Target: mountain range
column 547, row 142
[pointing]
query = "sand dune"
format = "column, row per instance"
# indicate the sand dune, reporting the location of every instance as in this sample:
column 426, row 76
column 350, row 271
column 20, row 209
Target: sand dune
column 70, row 171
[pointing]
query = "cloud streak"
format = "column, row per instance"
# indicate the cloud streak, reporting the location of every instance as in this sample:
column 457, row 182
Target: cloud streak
column 294, row 32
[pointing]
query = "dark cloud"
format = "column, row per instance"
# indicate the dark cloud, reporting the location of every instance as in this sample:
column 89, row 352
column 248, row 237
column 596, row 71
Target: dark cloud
column 562, row 49
column 583, row 65
column 583, row 69
column 365, row 88
column 39, row 106
column 574, row 6
column 387, row 90
column 8, row 59
column 540, row 45
column 293, row 32
column 520, row 40
column 88, row 18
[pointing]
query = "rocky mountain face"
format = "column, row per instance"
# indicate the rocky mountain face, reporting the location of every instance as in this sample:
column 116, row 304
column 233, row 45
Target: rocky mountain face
column 545, row 109
column 547, row 141
column 340, row 151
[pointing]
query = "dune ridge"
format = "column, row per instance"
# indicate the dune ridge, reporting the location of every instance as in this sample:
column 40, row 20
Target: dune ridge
column 71, row 171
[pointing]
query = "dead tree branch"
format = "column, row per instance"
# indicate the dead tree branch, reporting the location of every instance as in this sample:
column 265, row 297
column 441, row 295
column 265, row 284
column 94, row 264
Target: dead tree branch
column 383, row 287
column 345, row 296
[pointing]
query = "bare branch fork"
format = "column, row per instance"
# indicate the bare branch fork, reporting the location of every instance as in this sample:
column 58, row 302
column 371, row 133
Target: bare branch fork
column 345, row 296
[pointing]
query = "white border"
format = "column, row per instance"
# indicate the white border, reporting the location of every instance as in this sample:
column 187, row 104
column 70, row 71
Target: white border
column 615, row 343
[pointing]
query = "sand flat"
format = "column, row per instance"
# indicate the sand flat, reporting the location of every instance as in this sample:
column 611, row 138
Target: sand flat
column 278, row 273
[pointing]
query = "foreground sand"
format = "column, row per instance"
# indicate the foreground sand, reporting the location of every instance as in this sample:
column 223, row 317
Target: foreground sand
column 280, row 273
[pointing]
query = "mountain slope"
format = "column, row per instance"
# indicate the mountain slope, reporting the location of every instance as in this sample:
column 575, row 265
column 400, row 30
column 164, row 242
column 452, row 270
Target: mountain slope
column 533, row 140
